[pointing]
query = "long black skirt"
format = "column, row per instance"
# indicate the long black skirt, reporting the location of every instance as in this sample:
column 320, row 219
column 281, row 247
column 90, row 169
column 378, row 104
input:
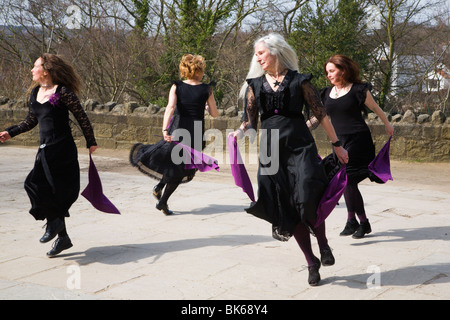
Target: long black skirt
column 291, row 185
column 165, row 161
column 157, row 161
column 361, row 151
column 53, row 184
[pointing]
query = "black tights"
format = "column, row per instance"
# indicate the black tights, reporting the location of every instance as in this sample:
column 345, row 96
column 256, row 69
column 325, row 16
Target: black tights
column 354, row 201
column 63, row 232
column 303, row 238
column 170, row 188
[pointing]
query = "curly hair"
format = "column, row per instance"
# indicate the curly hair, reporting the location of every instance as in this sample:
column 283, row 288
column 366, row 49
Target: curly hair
column 61, row 72
column 192, row 66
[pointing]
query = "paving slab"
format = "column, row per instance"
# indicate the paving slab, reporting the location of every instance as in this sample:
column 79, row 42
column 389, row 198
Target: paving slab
column 210, row 249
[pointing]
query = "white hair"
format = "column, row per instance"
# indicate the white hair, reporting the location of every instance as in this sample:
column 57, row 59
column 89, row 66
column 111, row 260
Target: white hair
column 278, row 47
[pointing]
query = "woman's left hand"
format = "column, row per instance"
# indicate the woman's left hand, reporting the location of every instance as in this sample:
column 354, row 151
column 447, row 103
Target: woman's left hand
column 92, row 149
column 389, row 129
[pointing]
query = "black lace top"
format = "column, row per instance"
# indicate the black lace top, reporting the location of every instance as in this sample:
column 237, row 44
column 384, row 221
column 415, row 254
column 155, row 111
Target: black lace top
column 288, row 99
column 53, row 117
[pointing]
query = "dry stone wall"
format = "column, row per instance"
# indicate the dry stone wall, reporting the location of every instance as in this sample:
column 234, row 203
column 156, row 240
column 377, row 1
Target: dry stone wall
column 119, row 126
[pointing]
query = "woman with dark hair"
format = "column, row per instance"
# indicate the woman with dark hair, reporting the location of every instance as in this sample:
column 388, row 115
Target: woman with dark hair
column 54, row 183
column 344, row 102
column 185, row 113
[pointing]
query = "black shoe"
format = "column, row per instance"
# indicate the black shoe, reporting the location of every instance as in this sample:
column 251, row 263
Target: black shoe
column 157, row 192
column 326, row 257
column 164, row 208
column 61, row 243
column 314, row 276
column 53, row 228
column 350, row 228
column 364, row 228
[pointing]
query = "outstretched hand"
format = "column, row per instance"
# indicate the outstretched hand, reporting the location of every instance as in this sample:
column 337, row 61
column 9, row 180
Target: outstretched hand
column 4, row 135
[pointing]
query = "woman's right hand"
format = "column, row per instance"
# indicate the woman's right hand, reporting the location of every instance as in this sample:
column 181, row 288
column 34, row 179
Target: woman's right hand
column 342, row 154
column 4, row 136
column 166, row 136
column 237, row 134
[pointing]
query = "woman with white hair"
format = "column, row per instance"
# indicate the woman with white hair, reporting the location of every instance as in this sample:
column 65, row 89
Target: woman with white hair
column 288, row 196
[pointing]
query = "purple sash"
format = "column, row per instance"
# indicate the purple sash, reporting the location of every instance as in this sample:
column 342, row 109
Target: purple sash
column 94, row 191
column 198, row 160
column 327, row 203
column 331, row 195
column 240, row 175
column 380, row 165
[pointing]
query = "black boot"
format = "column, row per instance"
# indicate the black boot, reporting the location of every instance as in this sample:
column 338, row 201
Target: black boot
column 54, row 227
column 326, row 257
column 364, row 228
column 314, row 275
column 350, row 227
column 157, row 192
column 61, row 243
column 164, row 208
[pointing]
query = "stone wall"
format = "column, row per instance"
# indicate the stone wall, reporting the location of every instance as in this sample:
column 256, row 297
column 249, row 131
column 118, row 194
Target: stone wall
column 416, row 138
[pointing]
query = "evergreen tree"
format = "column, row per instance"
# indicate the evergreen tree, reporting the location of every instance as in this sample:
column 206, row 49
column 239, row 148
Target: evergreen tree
column 322, row 31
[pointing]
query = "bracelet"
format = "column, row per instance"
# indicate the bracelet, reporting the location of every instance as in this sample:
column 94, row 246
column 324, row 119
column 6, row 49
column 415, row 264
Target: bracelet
column 165, row 130
column 338, row 143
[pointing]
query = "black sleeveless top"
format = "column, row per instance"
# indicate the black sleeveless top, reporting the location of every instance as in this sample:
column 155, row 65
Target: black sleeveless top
column 346, row 112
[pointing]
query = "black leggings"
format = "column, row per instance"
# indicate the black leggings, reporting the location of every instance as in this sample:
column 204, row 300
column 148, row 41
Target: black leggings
column 169, row 189
column 354, row 200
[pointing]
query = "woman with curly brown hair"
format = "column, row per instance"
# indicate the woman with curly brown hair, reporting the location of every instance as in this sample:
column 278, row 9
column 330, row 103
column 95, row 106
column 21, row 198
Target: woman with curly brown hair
column 183, row 118
column 54, row 183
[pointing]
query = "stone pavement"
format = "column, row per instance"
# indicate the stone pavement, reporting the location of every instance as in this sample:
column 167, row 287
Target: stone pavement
column 210, row 249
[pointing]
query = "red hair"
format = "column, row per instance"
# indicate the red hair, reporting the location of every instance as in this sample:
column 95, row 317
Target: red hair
column 348, row 67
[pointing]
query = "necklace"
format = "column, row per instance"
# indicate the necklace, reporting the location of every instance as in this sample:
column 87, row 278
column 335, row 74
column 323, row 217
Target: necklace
column 47, row 86
column 276, row 77
column 338, row 92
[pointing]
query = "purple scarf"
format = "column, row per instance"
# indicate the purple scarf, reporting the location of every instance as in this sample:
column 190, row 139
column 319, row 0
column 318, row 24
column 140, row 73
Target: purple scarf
column 198, row 160
column 380, row 165
column 331, row 195
column 94, row 191
column 327, row 203
column 240, row 175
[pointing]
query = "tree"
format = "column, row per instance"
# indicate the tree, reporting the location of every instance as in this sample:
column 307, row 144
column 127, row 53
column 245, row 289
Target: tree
column 323, row 30
column 397, row 23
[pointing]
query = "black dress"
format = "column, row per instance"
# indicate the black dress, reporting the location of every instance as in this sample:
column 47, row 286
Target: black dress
column 291, row 185
column 54, row 183
column 187, row 125
column 346, row 114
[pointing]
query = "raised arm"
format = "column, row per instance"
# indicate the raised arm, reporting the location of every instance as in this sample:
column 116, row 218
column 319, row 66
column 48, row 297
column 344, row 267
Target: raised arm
column 26, row 125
